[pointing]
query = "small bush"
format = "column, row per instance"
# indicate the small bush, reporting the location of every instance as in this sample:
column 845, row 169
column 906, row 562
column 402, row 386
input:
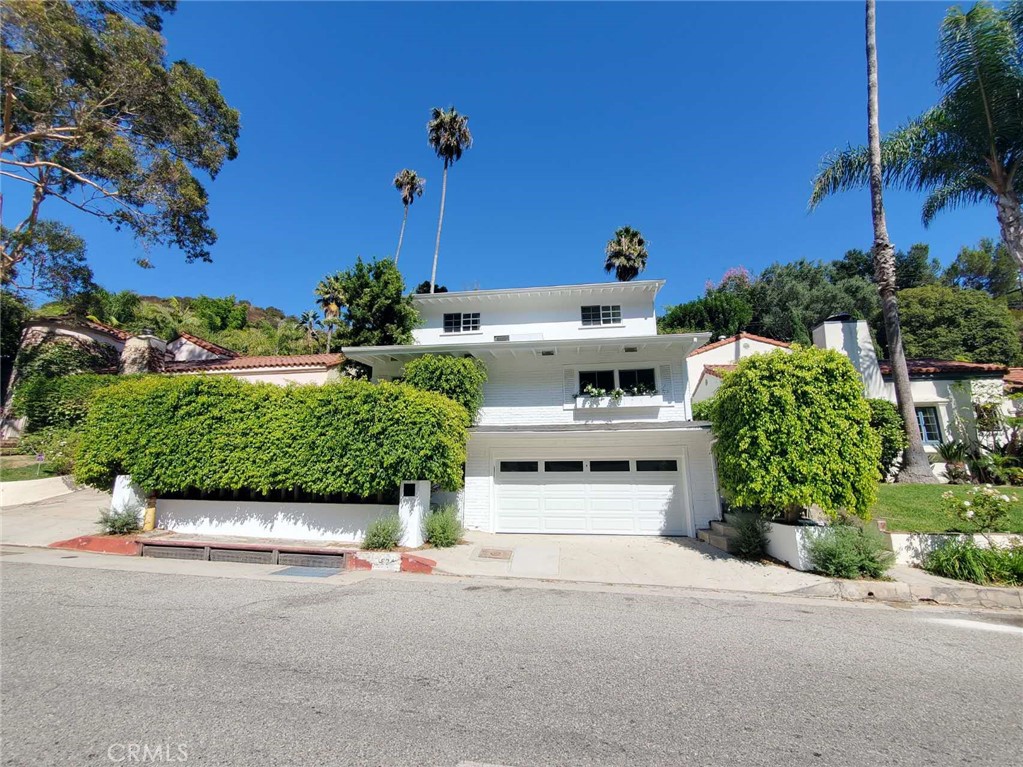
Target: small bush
column 120, row 521
column 751, row 542
column 383, row 534
column 845, row 551
column 983, row 510
column 56, row 445
column 963, row 560
column 443, row 528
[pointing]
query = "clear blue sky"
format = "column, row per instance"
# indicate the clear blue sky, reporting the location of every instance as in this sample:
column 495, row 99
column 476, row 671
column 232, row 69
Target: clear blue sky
column 699, row 124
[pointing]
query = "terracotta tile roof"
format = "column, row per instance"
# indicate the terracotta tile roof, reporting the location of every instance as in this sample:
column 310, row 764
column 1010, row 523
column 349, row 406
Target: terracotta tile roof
column 925, row 367
column 1014, row 379
column 123, row 335
column 718, row 370
column 209, row 346
column 248, row 363
column 737, row 337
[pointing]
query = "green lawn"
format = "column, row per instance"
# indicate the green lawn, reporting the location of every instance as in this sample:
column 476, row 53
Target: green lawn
column 15, row 473
column 917, row 508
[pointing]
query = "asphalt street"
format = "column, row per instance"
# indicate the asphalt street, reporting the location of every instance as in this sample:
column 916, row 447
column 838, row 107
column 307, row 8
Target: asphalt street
column 100, row 666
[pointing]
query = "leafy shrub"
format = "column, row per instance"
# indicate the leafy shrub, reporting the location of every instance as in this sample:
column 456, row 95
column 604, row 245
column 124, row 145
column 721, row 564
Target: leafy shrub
column 383, row 534
column 751, row 541
column 983, row 510
column 443, row 527
column 55, row 444
column 120, row 521
column 793, row 430
column 963, row 560
column 702, row 411
column 64, row 356
column 61, row 401
column 847, row 551
column 458, row 378
column 212, row 433
column 887, row 422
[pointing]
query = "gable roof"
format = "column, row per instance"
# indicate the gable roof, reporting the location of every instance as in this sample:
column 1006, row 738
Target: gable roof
column 284, row 361
column 738, row 337
column 122, row 335
column 209, row 346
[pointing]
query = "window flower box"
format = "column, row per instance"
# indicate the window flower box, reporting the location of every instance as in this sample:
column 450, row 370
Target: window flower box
column 585, row 402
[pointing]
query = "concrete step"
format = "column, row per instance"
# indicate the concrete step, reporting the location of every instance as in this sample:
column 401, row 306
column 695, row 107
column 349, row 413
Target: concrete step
column 717, row 541
column 723, row 528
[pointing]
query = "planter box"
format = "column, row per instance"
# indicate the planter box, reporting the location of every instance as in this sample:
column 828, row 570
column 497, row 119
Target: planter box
column 789, row 543
column 594, row 403
column 913, row 548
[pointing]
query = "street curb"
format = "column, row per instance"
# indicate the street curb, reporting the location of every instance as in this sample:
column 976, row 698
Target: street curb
column 894, row 591
column 100, row 544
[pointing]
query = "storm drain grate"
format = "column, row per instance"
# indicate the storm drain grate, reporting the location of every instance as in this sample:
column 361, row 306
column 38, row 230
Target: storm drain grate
column 505, row 554
column 308, row 572
column 242, row 556
column 335, row 561
column 173, row 552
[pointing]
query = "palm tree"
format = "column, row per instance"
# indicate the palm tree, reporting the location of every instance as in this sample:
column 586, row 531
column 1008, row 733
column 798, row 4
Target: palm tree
column 310, row 320
column 626, row 254
column 330, row 298
column 968, row 148
column 448, row 134
column 915, row 466
column 410, row 184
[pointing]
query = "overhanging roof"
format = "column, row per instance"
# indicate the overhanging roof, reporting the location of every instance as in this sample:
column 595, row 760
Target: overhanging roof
column 595, row 289
column 677, row 343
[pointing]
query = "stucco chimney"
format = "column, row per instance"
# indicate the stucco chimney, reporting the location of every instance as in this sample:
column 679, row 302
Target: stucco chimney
column 852, row 338
column 143, row 353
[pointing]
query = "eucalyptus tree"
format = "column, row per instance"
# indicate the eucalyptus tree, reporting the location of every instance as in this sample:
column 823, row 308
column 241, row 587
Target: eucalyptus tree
column 969, row 147
column 625, row 254
column 410, row 184
column 448, row 134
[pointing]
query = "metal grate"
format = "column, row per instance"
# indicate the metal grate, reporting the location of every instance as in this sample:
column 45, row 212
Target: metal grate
column 241, row 556
column 173, row 552
column 495, row 554
column 337, row 561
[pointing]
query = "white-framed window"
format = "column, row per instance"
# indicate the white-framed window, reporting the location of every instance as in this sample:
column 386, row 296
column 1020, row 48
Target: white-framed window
column 601, row 315
column 461, row 322
column 930, row 426
column 635, row 381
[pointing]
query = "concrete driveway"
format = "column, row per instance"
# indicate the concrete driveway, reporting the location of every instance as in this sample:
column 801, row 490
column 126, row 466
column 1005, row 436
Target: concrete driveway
column 638, row 560
column 55, row 519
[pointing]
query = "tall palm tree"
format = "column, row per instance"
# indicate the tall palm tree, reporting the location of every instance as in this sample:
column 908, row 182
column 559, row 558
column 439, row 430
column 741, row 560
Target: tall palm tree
column 330, row 298
column 410, row 184
column 915, row 466
column 625, row 254
column 968, row 148
column 310, row 320
column 448, row 134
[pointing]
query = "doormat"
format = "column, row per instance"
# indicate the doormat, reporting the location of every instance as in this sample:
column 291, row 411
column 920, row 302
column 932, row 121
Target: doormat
column 505, row 554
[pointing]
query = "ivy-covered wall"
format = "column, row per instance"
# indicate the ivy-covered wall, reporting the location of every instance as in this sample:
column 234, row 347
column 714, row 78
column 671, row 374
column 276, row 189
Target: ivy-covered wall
column 458, row 378
column 214, row 433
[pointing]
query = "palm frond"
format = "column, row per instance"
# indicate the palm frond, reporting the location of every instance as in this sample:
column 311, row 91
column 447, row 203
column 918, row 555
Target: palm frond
column 966, row 189
column 448, row 134
column 626, row 254
column 410, row 184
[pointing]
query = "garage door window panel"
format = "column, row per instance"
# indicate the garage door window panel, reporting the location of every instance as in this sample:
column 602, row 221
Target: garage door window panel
column 558, row 467
column 658, row 465
column 520, row 467
column 609, row 466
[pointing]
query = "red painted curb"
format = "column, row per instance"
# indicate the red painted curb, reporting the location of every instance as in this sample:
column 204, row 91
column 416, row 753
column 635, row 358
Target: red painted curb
column 100, row 544
column 357, row 563
column 410, row 563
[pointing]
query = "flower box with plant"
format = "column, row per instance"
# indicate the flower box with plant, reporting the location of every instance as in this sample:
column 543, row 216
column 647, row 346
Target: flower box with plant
column 639, row 395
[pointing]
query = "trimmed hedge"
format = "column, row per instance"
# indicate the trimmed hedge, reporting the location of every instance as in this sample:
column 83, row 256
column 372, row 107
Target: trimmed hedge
column 458, row 378
column 212, row 433
column 62, row 401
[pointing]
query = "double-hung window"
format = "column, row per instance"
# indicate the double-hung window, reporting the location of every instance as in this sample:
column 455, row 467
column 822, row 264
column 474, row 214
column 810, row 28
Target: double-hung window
column 634, row 381
column 930, row 427
column 461, row 322
column 596, row 315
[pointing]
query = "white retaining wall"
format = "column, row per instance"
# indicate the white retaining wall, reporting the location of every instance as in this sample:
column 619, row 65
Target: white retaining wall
column 912, row 548
column 267, row 519
column 790, row 543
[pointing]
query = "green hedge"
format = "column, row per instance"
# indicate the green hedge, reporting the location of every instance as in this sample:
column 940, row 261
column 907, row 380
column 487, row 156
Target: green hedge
column 218, row 433
column 887, row 422
column 458, row 378
column 61, row 401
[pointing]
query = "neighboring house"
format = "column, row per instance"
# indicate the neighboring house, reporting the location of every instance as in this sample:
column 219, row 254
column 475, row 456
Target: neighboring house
column 946, row 393
column 546, row 458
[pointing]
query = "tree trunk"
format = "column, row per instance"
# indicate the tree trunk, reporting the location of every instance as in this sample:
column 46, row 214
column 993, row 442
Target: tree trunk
column 1010, row 218
column 915, row 466
column 401, row 236
column 440, row 223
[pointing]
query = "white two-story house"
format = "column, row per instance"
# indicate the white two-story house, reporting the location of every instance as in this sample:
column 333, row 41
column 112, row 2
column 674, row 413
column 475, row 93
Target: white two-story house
column 546, row 456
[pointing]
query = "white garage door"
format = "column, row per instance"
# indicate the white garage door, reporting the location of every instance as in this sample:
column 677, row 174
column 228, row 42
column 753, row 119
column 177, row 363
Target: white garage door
column 615, row 496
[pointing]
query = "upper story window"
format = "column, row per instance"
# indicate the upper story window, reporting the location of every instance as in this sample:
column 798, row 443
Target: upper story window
column 461, row 322
column 601, row 315
column 930, row 428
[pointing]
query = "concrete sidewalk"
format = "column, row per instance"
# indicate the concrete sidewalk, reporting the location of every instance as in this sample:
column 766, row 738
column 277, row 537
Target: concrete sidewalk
column 633, row 560
column 55, row 519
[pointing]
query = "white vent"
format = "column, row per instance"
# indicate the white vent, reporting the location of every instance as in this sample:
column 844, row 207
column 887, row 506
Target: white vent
column 502, row 338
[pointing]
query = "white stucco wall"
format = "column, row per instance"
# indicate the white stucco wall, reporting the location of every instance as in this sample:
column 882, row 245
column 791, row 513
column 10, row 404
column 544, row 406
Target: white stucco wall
column 267, row 519
column 183, row 350
column 728, row 354
column 913, row 548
